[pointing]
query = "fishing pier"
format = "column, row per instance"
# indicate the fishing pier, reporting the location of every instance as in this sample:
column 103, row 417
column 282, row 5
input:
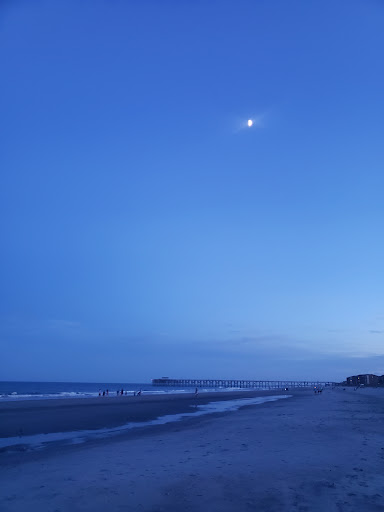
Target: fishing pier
column 256, row 384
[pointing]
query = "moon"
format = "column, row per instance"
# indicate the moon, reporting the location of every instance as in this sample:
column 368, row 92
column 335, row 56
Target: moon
column 249, row 122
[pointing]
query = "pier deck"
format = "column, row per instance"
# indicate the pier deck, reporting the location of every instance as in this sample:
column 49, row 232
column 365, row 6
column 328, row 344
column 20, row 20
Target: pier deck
column 220, row 383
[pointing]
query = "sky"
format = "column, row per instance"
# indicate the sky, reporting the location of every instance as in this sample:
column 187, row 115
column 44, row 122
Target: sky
column 146, row 230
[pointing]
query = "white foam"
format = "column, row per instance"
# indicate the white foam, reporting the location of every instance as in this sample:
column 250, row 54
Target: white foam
column 38, row 441
column 15, row 396
column 45, row 396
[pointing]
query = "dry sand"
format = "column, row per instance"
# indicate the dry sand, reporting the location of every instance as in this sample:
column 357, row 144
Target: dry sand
column 307, row 453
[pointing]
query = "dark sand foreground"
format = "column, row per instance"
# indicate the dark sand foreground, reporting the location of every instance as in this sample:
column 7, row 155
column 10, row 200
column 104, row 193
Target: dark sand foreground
column 306, row 453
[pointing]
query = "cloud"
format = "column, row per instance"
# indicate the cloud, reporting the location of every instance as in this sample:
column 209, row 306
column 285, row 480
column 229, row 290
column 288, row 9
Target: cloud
column 373, row 331
column 62, row 324
column 111, row 357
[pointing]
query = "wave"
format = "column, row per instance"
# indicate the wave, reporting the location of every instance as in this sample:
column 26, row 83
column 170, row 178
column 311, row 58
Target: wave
column 81, row 394
column 43, row 396
column 38, row 395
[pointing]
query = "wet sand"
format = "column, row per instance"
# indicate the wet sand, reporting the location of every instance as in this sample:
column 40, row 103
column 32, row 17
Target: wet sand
column 45, row 416
column 307, row 453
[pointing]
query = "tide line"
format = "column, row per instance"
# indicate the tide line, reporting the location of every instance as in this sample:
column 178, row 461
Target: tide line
column 40, row 441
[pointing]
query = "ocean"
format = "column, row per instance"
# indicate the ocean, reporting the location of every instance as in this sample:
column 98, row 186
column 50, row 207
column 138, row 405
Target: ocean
column 10, row 391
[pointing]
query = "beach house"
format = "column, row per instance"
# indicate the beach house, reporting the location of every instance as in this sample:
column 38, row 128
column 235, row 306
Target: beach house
column 367, row 379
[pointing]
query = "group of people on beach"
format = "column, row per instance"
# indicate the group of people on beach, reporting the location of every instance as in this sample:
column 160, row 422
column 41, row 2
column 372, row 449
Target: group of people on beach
column 119, row 392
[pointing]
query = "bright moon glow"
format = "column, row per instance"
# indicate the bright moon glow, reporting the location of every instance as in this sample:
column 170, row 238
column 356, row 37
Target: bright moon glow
column 250, row 122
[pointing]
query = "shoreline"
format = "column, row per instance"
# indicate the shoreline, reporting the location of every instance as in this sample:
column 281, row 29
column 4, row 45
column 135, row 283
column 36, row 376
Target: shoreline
column 32, row 417
column 56, row 439
column 112, row 394
column 19, row 391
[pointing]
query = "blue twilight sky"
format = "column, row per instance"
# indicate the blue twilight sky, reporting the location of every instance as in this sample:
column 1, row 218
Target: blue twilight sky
column 147, row 231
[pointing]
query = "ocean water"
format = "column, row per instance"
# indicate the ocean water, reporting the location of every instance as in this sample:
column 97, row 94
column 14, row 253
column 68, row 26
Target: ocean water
column 10, row 391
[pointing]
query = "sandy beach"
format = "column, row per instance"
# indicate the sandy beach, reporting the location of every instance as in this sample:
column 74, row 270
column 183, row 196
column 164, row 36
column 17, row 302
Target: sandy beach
column 306, row 453
column 44, row 416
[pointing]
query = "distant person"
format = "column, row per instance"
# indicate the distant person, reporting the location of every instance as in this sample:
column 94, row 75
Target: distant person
column 103, row 393
column 196, row 392
column 139, row 393
column 99, row 392
column 107, row 392
column 122, row 391
column 117, row 393
column 134, row 393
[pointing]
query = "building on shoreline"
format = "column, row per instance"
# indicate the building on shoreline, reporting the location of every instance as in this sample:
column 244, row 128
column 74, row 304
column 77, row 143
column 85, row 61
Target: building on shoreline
column 366, row 379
